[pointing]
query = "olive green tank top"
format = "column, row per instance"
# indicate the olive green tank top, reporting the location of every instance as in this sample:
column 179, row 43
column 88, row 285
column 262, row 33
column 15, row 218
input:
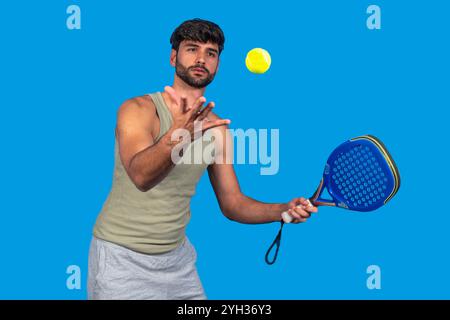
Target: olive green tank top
column 154, row 221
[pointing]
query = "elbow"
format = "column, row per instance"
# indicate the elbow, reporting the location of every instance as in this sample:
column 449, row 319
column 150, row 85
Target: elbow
column 140, row 188
column 136, row 178
column 230, row 206
column 140, row 184
column 143, row 185
column 230, row 217
column 228, row 213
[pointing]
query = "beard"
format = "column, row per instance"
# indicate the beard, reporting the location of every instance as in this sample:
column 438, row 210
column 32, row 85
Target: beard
column 183, row 73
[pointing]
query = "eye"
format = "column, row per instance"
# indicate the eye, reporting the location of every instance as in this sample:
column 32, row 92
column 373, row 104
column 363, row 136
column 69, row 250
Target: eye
column 212, row 54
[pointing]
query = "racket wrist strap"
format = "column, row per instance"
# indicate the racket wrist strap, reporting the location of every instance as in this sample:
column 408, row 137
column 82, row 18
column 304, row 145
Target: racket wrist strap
column 276, row 243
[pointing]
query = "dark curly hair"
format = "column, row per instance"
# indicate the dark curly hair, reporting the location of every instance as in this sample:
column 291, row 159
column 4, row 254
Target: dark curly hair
column 198, row 30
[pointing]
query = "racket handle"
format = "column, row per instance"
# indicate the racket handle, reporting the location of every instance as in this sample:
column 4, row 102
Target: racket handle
column 287, row 218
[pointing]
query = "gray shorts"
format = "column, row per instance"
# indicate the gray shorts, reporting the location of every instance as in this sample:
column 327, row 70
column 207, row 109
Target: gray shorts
column 116, row 272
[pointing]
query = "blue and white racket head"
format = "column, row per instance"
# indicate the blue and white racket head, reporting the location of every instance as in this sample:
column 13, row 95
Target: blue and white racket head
column 359, row 175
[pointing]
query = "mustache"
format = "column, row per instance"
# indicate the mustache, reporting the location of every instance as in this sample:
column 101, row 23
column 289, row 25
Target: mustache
column 200, row 67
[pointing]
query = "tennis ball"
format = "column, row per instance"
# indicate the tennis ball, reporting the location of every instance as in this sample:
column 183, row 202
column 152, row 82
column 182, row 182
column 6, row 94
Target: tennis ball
column 258, row 60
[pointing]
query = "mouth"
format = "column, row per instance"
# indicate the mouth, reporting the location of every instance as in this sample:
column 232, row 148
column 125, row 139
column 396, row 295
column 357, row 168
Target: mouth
column 198, row 70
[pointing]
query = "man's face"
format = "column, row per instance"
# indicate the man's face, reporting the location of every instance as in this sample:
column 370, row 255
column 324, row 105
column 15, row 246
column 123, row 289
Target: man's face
column 196, row 63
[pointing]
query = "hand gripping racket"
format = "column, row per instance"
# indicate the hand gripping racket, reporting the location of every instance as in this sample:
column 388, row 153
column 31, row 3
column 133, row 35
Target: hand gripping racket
column 359, row 175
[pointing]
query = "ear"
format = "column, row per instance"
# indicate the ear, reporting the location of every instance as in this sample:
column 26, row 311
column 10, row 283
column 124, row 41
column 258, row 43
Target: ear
column 173, row 58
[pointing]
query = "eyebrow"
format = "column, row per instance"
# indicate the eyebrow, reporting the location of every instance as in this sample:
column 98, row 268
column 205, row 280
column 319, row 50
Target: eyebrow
column 191, row 44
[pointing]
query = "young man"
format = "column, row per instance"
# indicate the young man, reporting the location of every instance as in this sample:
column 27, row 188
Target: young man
column 139, row 249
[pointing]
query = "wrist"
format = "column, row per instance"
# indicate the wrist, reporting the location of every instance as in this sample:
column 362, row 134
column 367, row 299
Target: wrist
column 284, row 207
column 175, row 143
column 281, row 207
column 169, row 139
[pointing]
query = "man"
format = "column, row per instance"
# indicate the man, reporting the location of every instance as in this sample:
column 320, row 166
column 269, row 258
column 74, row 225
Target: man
column 139, row 249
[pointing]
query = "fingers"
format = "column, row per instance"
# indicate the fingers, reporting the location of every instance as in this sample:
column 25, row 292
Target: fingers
column 172, row 94
column 182, row 101
column 215, row 123
column 305, row 204
column 184, row 105
column 296, row 217
column 309, row 208
column 197, row 106
column 304, row 201
column 204, row 113
column 302, row 211
column 197, row 114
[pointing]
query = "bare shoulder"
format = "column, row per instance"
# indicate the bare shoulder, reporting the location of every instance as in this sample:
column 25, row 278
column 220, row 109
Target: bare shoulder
column 137, row 111
column 134, row 131
column 141, row 105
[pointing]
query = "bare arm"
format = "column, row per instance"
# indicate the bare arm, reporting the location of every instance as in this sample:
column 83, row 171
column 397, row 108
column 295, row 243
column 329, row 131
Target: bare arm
column 148, row 162
column 145, row 161
column 154, row 163
column 234, row 204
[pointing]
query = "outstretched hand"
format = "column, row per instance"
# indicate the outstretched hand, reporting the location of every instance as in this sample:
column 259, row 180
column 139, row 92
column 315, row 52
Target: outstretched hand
column 192, row 117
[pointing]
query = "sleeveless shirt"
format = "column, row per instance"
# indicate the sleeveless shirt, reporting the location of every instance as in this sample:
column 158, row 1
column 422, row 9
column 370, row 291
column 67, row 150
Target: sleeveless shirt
column 154, row 221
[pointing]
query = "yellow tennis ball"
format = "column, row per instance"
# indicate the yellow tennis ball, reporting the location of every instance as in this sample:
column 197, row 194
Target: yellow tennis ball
column 258, row 60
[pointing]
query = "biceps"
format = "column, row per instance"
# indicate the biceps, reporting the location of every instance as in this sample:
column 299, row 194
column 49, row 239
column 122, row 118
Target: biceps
column 132, row 141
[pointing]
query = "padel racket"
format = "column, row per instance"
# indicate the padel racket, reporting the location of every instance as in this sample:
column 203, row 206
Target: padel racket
column 359, row 175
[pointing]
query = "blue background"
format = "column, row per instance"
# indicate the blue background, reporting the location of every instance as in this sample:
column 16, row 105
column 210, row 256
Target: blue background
column 331, row 79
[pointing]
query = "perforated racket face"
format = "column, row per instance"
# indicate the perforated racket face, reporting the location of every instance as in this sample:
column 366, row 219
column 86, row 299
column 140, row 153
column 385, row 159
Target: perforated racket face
column 360, row 174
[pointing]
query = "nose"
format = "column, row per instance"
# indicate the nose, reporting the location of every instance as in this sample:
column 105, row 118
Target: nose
column 200, row 57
